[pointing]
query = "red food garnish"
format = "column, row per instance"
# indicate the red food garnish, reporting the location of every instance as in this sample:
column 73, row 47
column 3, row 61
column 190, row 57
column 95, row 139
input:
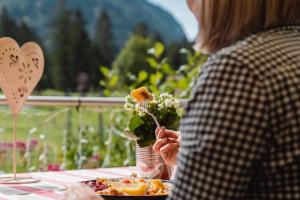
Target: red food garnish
column 96, row 186
column 125, row 181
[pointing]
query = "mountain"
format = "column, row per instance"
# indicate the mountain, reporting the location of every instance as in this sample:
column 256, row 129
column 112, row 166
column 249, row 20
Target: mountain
column 124, row 14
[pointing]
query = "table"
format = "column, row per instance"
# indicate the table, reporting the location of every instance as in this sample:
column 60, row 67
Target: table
column 51, row 181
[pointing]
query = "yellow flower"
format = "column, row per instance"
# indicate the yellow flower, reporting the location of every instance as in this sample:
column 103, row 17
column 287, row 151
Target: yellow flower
column 141, row 94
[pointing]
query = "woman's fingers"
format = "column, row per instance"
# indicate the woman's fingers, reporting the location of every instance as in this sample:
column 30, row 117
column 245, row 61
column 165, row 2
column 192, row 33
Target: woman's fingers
column 159, row 143
column 157, row 130
column 169, row 153
column 171, row 134
column 162, row 133
column 168, row 147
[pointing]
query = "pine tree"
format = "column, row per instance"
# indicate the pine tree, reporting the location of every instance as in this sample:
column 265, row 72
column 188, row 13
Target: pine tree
column 62, row 72
column 104, row 39
column 81, row 54
column 141, row 29
column 26, row 33
column 8, row 26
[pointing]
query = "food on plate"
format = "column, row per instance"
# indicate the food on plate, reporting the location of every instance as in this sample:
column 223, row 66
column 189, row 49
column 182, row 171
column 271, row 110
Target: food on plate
column 129, row 187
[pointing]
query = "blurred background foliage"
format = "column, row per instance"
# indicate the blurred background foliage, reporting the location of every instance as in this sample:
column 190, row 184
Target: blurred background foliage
column 78, row 37
column 107, row 54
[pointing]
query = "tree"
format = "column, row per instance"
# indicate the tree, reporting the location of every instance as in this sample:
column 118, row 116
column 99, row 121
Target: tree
column 131, row 59
column 175, row 57
column 141, row 29
column 81, row 58
column 62, row 72
column 26, row 33
column 8, row 26
column 104, row 39
column 22, row 33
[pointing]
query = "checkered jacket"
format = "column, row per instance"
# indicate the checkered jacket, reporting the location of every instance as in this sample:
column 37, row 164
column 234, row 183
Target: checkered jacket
column 241, row 130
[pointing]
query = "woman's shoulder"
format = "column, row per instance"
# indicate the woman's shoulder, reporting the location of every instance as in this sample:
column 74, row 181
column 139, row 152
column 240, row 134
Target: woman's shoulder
column 262, row 51
column 263, row 43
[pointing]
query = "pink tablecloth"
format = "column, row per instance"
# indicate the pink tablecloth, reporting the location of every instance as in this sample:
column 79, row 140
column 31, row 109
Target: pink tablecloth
column 51, row 182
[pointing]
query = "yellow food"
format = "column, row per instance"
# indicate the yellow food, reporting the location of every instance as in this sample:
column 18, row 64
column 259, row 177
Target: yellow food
column 135, row 189
column 157, row 184
column 141, row 94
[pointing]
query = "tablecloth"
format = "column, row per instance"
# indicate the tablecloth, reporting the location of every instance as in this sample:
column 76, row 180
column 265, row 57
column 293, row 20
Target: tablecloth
column 53, row 182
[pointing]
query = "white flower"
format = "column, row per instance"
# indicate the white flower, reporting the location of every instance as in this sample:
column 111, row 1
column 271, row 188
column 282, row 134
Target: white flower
column 128, row 106
column 154, row 102
column 42, row 157
column 138, row 108
column 31, row 131
column 139, row 111
column 95, row 148
column 83, row 158
column 169, row 103
column 128, row 98
column 176, row 103
column 27, row 154
column 164, row 95
column 32, row 169
column 151, row 51
column 42, row 136
column 83, row 141
column 161, row 105
column 63, row 166
column 91, row 129
column 64, row 148
column 141, row 114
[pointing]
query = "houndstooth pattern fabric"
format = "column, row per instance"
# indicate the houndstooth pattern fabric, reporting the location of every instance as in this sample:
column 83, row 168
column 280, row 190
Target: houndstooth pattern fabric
column 241, row 130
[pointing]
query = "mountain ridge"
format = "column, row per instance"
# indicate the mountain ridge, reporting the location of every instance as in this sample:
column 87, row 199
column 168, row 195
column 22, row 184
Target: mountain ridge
column 123, row 15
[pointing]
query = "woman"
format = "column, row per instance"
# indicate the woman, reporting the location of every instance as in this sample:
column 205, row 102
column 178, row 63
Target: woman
column 241, row 130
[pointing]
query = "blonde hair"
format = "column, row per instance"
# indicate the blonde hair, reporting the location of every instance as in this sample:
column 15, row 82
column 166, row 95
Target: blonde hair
column 223, row 22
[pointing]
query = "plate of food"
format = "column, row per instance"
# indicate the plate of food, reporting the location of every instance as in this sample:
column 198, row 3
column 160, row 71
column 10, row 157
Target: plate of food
column 130, row 188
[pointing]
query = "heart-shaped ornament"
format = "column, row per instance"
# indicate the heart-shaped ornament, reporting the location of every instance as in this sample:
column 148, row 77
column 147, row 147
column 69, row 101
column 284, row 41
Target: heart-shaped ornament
column 20, row 71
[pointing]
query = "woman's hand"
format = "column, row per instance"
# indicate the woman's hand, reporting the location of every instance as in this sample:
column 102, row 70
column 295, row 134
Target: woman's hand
column 167, row 145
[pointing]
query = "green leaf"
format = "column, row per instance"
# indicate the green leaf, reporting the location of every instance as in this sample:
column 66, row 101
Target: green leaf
column 167, row 68
column 182, row 84
column 129, row 135
column 142, row 76
column 106, row 93
column 113, row 81
column 104, row 70
column 156, row 78
column 159, row 49
column 154, row 89
column 152, row 62
column 102, row 83
column 135, row 122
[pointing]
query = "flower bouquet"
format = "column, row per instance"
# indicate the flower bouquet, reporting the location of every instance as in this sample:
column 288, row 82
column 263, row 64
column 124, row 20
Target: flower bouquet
column 142, row 126
column 163, row 106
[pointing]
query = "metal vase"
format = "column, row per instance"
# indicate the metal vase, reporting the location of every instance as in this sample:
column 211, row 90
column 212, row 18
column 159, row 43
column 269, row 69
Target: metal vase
column 150, row 164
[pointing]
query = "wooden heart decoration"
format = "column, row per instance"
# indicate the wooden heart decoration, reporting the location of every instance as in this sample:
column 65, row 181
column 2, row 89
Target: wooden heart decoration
column 20, row 71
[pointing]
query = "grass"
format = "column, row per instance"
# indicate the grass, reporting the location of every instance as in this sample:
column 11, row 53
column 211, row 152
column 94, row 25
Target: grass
column 49, row 122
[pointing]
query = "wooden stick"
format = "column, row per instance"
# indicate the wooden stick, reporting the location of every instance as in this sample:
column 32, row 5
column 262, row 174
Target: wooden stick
column 15, row 148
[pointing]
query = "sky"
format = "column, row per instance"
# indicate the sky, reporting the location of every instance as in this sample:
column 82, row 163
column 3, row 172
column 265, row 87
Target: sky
column 180, row 11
